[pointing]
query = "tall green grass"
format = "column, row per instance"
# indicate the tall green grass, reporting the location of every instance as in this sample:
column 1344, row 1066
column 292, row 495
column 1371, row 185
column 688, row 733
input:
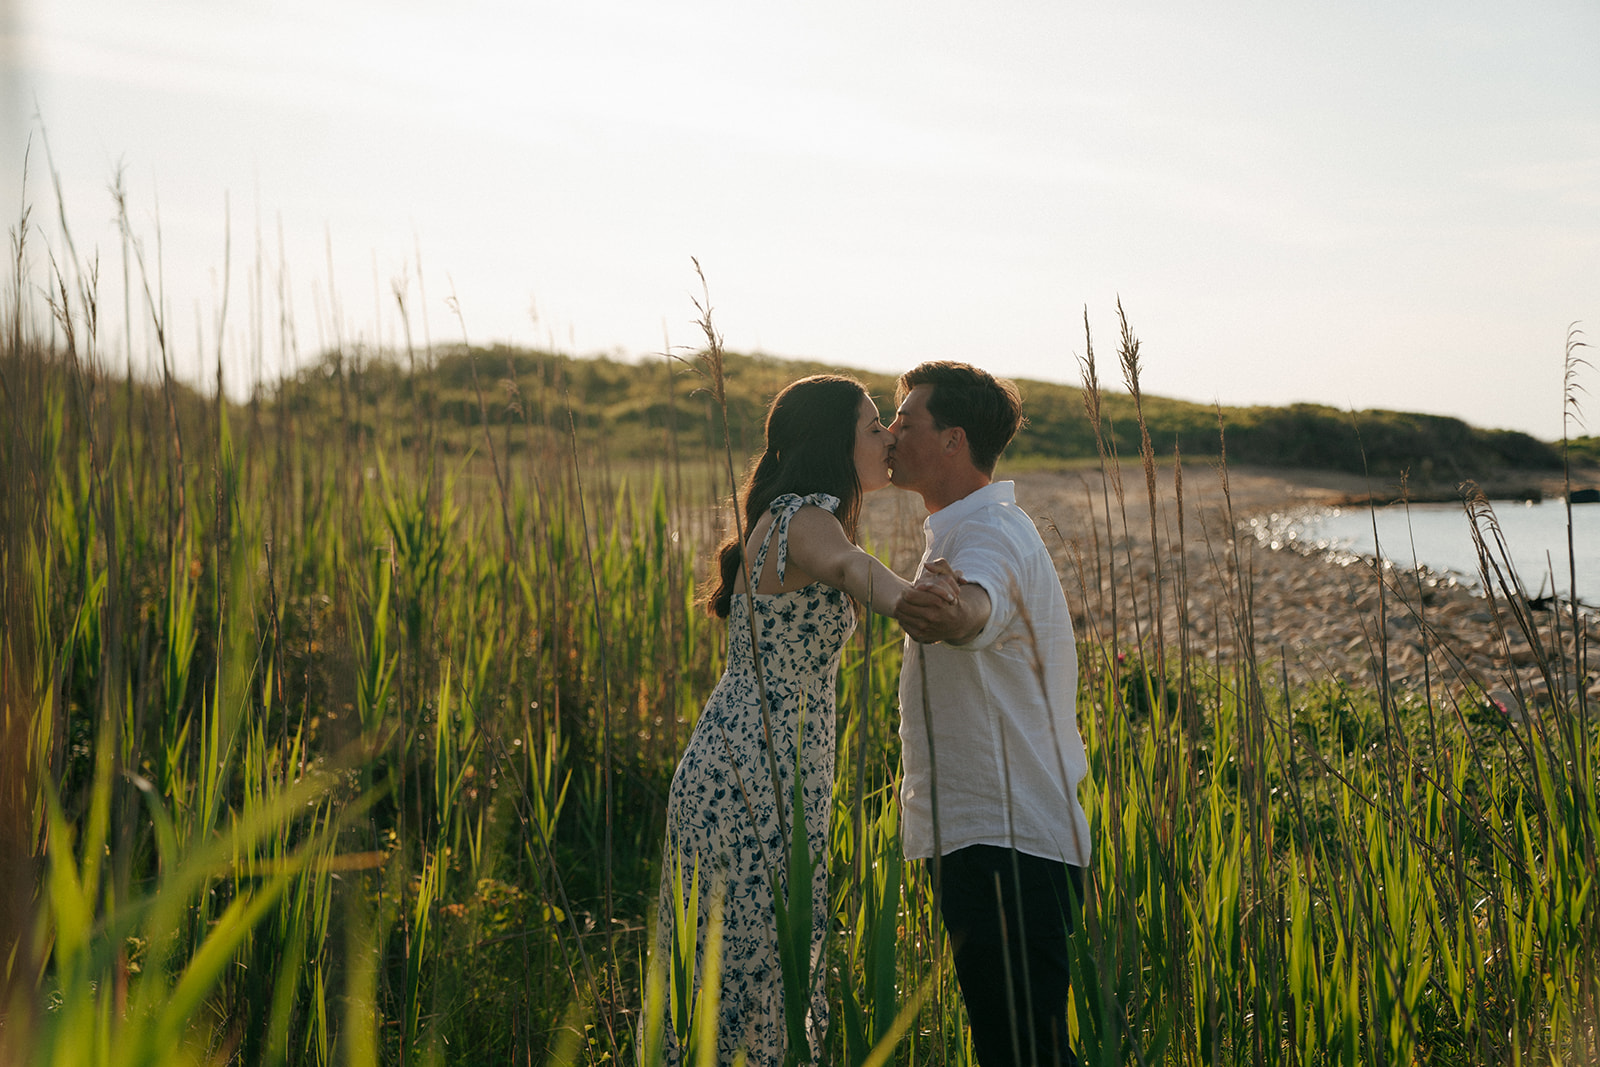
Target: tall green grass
column 324, row 743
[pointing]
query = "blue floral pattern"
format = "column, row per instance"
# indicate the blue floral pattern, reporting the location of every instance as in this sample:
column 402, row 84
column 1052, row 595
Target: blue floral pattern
column 726, row 820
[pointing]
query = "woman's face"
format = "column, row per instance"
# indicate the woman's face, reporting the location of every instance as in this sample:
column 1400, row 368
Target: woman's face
column 873, row 444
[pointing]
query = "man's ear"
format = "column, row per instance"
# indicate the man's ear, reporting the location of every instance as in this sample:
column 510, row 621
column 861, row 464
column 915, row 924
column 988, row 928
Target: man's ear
column 957, row 441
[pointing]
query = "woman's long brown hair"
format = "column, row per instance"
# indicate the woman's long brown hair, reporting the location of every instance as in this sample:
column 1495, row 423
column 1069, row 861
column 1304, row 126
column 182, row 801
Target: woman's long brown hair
column 811, row 444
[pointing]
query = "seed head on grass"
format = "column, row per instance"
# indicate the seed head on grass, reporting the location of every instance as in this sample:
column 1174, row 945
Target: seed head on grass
column 1571, row 408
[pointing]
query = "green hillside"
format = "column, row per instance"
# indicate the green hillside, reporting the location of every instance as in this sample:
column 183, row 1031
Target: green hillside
column 630, row 410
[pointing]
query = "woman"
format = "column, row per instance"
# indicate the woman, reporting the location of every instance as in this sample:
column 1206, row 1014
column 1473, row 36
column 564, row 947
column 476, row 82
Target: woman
column 729, row 814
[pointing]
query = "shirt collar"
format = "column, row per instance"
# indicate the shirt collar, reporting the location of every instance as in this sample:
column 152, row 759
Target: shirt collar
column 947, row 516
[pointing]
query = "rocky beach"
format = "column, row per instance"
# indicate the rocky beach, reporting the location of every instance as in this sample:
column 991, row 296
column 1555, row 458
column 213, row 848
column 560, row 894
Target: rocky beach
column 1229, row 579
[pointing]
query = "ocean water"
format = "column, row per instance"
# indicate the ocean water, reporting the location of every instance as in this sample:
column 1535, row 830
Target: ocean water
column 1439, row 536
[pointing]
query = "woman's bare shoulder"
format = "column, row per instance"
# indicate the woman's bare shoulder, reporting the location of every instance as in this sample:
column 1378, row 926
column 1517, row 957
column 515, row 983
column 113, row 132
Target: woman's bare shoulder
column 813, row 520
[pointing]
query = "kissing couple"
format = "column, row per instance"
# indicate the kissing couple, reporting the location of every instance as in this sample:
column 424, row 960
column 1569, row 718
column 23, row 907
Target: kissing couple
column 988, row 728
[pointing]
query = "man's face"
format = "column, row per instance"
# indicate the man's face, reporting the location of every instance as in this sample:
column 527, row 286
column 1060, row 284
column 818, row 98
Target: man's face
column 917, row 441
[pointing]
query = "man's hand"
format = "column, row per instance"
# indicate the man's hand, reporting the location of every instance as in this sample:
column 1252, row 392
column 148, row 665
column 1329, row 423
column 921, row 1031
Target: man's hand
column 942, row 606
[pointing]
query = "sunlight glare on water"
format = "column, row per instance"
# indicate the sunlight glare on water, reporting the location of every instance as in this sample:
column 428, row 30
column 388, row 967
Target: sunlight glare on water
column 1439, row 536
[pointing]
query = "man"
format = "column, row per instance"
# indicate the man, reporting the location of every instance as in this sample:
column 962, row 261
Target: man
column 989, row 737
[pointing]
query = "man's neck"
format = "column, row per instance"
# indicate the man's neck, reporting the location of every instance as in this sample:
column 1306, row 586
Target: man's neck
column 957, row 487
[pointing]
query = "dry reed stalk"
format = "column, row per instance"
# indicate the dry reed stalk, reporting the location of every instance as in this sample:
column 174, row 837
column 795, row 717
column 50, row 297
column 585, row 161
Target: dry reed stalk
column 1572, row 414
column 713, row 355
column 1110, row 467
column 1128, row 352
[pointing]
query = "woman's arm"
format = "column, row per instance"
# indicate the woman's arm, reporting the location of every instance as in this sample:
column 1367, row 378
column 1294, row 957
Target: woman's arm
column 818, row 546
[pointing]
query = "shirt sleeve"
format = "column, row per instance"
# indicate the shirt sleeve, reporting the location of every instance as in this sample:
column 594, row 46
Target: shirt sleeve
column 985, row 562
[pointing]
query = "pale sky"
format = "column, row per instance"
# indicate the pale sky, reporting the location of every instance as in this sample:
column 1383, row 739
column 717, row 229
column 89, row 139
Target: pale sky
column 1360, row 204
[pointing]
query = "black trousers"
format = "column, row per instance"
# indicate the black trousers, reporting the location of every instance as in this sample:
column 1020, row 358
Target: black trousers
column 1008, row 916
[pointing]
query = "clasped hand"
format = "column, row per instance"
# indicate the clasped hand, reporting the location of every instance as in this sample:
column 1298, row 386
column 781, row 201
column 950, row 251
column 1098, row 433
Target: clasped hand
column 930, row 609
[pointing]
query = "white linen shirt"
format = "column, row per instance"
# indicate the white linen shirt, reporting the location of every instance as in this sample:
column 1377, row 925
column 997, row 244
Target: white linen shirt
column 1005, row 757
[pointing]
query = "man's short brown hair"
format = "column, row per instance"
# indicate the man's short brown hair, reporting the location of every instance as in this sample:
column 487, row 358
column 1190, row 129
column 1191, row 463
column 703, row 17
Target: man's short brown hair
column 987, row 408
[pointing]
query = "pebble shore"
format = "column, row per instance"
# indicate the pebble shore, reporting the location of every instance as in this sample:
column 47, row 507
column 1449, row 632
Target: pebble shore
column 1314, row 615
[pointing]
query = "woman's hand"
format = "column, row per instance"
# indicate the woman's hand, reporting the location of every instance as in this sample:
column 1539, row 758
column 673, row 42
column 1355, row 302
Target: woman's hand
column 939, row 577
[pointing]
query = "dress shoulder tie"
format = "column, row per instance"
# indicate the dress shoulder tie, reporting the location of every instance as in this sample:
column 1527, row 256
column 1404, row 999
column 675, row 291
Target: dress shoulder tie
column 784, row 507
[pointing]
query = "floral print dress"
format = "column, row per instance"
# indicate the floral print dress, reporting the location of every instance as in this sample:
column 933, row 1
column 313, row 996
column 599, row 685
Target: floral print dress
column 725, row 819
